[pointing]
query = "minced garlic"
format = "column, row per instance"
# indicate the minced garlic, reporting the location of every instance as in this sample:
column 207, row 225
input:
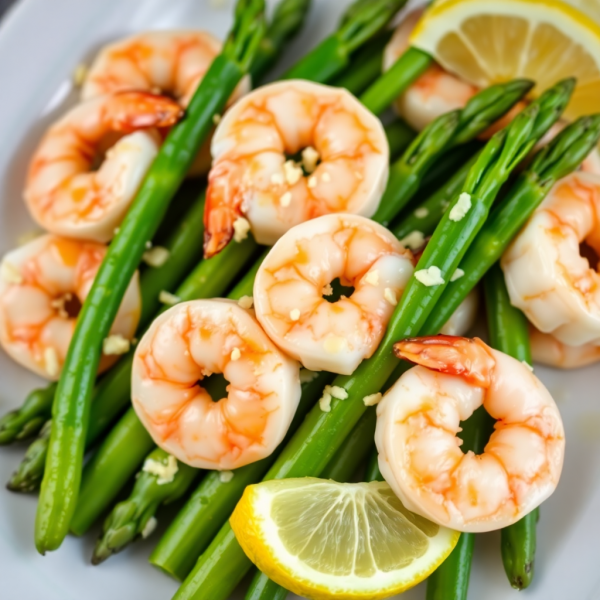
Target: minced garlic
column 167, row 298
column 165, row 473
column 115, row 344
column 414, row 240
column 461, row 208
column 246, row 302
column 156, row 257
column 373, row 399
column 241, row 227
column 429, row 277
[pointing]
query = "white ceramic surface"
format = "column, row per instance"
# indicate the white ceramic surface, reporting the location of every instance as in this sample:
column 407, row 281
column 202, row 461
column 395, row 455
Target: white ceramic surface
column 41, row 43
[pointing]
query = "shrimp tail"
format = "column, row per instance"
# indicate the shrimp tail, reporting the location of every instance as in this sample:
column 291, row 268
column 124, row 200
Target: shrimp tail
column 467, row 358
column 223, row 208
column 130, row 111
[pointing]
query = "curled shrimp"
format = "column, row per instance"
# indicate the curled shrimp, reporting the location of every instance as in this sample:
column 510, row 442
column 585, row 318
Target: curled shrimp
column 42, row 287
column 162, row 62
column 255, row 184
column 66, row 192
column 194, row 340
column 547, row 350
column 293, row 285
column 546, row 275
column 419, row 418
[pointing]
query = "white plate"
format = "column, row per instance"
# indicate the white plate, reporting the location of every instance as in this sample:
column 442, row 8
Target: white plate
column 41, row 43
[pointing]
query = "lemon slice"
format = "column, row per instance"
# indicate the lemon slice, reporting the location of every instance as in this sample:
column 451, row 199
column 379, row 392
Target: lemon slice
column 497, row 40
column 321, row 539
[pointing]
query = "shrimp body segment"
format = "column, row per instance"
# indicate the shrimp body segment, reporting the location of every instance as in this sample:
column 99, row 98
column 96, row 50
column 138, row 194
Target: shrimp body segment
column 194, row 340
column 547, row 350
column 64, row 191
column 162, row 62
column 42, row 284
column 419, row 452
column 435, row 92
column 294, row 282
column 344, row 165
column 546, row 275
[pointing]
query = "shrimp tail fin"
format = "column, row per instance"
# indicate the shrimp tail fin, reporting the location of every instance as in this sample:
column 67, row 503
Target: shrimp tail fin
column 130, row 111
column 467, row 358
column 222, row 212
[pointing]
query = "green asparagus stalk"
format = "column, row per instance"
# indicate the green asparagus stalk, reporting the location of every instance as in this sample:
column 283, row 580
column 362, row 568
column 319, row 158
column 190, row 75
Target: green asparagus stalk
column 425, row 218
column 124, row 449
column 71, row 408
column 342, row 468
column 102, row 478
column 28, row 420
column 134, row 517
column 559, row 158
column 223, row 564
column 453, row 128
column 366, row 66
column 287, row 20
column 509, row 333
column 361, row 22
column 27, row 477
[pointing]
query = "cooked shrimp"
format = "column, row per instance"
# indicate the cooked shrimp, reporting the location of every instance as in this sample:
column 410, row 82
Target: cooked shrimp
column 294, row 282
column 162, row 62
column 419, row 418
column 546, row 275
column 65, row 192
column 42, row 286
column 547, row 350
column 192, row 341
column 435, row 92
column 253, row 182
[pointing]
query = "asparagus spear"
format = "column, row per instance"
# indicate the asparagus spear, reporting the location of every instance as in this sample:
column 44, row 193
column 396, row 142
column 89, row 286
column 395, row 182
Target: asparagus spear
column 28, row 420
column 563, row 155
column 134, row 517
column 456, row 127
column 123, row 451
column 361, row 22
column 71, row 407
column 287, row 20
column 223, row 564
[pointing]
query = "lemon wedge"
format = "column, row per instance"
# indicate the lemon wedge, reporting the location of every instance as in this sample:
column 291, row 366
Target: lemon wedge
column 322, row 539
column 497, row 40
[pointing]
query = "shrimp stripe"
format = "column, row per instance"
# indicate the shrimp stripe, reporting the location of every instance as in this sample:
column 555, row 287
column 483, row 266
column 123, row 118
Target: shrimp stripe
column 71, row 408
column 562, row 156
column 341, row 468
column 360, row 23
column 509, row 333
column 124, row 449
column 224, row 563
